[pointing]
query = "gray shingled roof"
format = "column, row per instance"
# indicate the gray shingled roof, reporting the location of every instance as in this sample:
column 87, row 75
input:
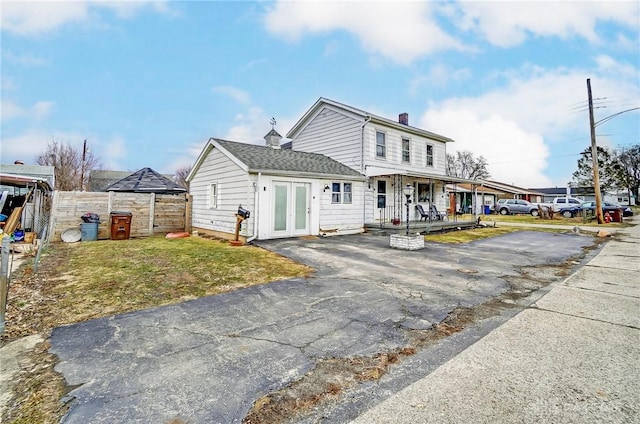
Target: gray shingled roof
column 146, row 180
column 263, row 159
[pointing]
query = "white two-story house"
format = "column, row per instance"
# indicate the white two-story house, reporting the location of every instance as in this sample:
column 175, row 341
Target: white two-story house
column 391, row 154
column 343, row 170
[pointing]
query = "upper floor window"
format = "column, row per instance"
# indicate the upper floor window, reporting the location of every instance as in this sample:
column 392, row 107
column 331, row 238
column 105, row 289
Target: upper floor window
column 406, row 150
column 381, row 144
column 341, row 193
column 429, row 155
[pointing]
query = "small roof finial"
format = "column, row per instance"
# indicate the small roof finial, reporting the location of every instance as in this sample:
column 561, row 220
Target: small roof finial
column 273, row 122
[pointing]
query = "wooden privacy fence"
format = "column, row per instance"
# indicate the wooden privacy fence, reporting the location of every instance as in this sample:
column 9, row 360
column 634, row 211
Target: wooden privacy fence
column 151, row 213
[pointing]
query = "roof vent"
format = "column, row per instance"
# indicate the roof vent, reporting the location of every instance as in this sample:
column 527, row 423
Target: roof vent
column 403, row 118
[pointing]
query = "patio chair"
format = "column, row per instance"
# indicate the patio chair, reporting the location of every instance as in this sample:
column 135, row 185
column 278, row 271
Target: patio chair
column 438, row 216
column 433, row 214
column 423, row 214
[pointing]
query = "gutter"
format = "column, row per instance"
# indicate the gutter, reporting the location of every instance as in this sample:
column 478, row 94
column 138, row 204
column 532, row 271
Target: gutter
column 362, row 169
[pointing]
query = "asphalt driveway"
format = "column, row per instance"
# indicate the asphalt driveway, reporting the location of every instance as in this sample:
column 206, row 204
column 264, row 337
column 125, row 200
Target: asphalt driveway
column 209, row 360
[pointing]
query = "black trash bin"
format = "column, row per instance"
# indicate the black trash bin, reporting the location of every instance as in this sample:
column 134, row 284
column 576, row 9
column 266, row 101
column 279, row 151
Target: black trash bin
column 120, row 225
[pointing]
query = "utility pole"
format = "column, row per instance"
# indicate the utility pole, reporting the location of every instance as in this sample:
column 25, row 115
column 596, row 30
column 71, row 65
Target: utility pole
column 594, row 157
column 84, row 155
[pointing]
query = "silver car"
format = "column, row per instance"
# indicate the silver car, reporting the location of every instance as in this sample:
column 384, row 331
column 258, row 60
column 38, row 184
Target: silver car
column 513, row 206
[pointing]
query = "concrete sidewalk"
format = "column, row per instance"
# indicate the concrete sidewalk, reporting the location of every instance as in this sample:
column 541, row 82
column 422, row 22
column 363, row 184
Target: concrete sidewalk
column 571, row 357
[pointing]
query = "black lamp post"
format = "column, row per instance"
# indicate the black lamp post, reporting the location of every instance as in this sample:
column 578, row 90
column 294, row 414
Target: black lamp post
column 408, row 191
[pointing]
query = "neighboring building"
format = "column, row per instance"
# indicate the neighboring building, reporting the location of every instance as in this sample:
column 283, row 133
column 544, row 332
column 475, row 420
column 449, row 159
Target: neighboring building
column 468, row 198
column 549, row 193
column 391, row 154
column 288, row 193
column 146, row 180
column 27, row 189
column 40, row 172
column 620, row 197
column 99, row 180
column 509, row 191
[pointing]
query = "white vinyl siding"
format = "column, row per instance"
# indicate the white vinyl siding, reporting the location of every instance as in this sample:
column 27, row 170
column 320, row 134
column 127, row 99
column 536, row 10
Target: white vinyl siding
column 333, row 134
column 394, row 157
column 233, row 188
column 342, row 217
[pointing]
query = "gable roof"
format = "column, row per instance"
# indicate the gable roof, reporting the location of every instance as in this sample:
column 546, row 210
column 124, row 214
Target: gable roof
column 146, row 180
column 364, row 116
column 507, row 188
column 254, row 159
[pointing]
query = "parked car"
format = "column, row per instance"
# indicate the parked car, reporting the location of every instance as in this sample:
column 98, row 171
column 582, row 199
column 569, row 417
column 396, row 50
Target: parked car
column 513, row 206
column 563, row 203
column 608, row 206
column 570, row 211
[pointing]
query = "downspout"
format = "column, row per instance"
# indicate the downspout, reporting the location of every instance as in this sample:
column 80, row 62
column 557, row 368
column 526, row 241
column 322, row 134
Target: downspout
column 256, row 202
column 362, row 171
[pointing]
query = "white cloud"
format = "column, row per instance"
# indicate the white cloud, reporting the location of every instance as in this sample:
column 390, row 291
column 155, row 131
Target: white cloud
column 235, row 93
column 509, row 23
column 250, row 126
column 439, row 76
column 515, row 156
column 183, row 160
column 28, row 145
column 514, row 126
column 401, row 31
column 29, row 17
column 10, row 110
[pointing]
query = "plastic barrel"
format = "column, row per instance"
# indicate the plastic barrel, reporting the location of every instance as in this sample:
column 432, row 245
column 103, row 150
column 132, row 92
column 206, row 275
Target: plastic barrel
column 89, row 231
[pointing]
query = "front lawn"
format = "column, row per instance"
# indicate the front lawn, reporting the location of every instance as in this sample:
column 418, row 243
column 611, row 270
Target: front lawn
column 80, row 281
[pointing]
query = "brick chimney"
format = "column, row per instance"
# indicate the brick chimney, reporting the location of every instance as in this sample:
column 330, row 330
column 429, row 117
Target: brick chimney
column 403, row 118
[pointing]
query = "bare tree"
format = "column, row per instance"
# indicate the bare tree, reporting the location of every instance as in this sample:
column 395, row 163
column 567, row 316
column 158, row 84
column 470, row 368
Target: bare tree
column 71, row 165
column 465, row 165
column 181, row 176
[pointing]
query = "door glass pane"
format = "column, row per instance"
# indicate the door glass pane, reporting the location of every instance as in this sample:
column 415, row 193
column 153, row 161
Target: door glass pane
column 301, row 208
column 280, row 211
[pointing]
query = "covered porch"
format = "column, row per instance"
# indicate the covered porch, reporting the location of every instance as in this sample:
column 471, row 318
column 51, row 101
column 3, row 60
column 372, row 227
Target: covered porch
column 422, row 227
column 428, row 200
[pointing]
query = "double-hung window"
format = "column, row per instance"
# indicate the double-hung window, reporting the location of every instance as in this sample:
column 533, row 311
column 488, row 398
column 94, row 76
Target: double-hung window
column 429, row 155
column 213, row 196
column 341, row 193
column 381, row 144
column 406, row 150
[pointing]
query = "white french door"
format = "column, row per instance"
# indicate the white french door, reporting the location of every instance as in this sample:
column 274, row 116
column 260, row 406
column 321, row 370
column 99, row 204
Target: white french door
column 291, row 209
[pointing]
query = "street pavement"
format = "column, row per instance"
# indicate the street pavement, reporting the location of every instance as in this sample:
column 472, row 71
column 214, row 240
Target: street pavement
column 569, row 357
column 208, row 360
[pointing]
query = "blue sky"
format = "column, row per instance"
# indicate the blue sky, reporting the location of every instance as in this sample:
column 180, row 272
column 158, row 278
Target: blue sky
column 147, row 83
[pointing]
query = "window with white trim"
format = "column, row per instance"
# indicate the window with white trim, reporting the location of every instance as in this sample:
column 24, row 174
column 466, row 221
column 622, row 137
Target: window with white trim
column 381, row 144
column 406, row 150
column 213, row 196
column 341, row 193
column 429, row 155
